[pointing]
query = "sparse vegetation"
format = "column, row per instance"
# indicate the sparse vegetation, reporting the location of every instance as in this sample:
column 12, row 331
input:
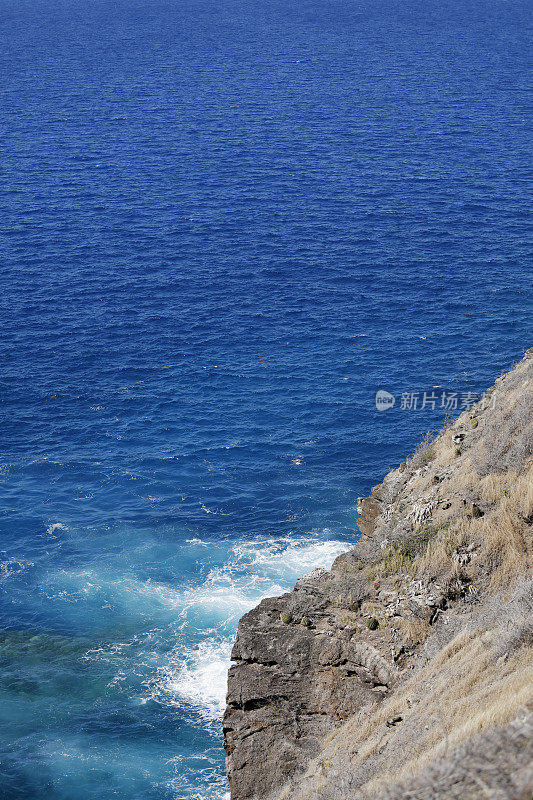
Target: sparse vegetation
column 461, row 692
column 424, row 453
column 412, row 629
column 396, row 560
column 418, row 542
column 510, row 618
column 507, row 436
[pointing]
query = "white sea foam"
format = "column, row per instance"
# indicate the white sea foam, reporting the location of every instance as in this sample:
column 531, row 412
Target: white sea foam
column 198, row 620
column 13, row 566
column 55, row 526
column 200, row 678
column 197, row 674
column 289, row 558
column 125, row 595
column 197, row 777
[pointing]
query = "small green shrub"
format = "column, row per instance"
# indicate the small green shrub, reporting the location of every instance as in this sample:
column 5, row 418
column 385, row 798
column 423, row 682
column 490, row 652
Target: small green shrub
column 285, row 617
column 427, row 457
column 372, row 624
column 397, row 559
column 418, row 543
column 371, row 574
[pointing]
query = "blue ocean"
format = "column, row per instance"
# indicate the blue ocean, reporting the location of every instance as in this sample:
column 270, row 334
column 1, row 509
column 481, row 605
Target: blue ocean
column 225, row 226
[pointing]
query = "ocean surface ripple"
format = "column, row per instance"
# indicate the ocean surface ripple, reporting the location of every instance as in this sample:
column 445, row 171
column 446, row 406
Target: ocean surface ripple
column 225, row 227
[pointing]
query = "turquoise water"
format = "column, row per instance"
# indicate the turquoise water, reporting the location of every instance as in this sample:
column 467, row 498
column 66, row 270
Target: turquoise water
column 225, row 227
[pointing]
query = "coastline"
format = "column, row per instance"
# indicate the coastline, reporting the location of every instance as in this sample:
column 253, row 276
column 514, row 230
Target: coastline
column 420, row 604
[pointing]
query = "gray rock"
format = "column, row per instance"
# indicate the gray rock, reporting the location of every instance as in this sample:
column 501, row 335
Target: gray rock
column 289, row 686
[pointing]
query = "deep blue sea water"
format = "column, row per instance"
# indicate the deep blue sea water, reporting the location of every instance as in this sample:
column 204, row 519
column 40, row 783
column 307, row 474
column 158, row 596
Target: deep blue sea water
column 225, row 226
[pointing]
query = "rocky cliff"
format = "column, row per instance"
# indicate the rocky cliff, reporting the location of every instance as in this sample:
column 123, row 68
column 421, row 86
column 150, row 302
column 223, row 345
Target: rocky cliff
column 405, row 671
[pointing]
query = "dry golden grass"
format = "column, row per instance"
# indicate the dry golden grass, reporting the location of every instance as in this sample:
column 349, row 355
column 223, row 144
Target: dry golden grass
column 413, row 630
column 526, row 499
column 493, row 487
column 504, row 536
column 506, row 547
column 437, row 559
column 462, row 691
column 473, row 692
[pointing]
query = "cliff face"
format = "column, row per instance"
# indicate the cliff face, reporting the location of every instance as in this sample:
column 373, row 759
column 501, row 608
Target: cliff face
column 364, row 680
column 298, row 674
